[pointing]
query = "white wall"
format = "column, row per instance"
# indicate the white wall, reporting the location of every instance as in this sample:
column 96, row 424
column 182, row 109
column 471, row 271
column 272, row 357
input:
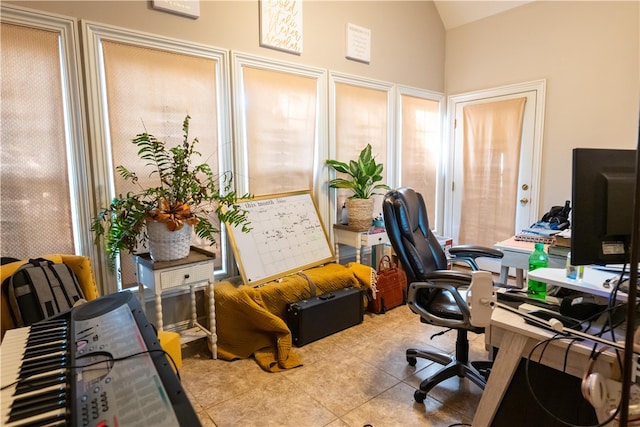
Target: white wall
column 407, row 37
column 588, row 51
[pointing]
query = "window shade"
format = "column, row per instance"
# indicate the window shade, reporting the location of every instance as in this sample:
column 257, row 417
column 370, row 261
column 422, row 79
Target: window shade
column 281, row 130
column 153, row 90
column 36, row 214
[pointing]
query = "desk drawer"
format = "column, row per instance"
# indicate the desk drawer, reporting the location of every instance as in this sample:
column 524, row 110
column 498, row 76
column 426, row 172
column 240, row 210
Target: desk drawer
column 374, row 239
column 188, row 275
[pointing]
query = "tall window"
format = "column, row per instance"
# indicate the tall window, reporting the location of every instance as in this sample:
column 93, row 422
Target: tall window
column 41, row 137
column 420, row 147
column 280, row 126
column 362, row 113
column 281, row 129
column 151, row 85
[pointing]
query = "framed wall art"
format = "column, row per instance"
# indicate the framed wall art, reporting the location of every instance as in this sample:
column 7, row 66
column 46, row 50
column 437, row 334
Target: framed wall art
column 281, row 25
column 189, row 8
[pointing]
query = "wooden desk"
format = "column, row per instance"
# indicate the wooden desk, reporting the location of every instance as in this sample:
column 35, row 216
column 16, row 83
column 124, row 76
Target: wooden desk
column 516, row 255
column 515, row 339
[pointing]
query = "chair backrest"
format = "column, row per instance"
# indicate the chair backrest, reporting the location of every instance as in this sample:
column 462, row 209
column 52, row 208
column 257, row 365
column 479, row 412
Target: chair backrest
column 407, row 224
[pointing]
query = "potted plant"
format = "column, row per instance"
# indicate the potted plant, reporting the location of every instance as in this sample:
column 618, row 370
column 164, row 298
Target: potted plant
column 187, row 195
column 364, row 174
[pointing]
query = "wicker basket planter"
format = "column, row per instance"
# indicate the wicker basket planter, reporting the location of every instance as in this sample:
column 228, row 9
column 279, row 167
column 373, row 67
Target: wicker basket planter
column 359, row 213
column 166, row 245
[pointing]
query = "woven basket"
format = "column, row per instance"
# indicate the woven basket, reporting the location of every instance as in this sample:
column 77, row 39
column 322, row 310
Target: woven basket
column 360, row 213
column 166, row 245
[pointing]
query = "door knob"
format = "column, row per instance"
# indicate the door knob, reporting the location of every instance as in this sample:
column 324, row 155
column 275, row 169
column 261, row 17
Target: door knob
column 524, row 200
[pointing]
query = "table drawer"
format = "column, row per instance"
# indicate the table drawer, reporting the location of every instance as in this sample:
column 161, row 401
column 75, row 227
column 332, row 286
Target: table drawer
column 187, row 275
column 374, row 239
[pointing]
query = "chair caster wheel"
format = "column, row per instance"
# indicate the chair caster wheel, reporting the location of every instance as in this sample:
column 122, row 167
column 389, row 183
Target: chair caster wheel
column 419, row 396
column 412, row 361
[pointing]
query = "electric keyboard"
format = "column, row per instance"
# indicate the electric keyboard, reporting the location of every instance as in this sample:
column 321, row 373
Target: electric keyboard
column 98, row 365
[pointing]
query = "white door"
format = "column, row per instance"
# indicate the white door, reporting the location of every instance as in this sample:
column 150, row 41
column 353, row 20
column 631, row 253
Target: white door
column 526, row 196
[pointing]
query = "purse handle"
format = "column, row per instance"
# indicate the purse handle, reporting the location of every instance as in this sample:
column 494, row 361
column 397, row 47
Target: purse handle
column 391, row 264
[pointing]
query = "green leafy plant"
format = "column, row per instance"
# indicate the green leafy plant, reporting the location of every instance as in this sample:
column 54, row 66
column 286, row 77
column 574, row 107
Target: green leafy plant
column 364, row 174
column 186, row 193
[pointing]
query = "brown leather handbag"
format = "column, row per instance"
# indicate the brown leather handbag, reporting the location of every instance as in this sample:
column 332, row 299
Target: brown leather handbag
column 390, row 289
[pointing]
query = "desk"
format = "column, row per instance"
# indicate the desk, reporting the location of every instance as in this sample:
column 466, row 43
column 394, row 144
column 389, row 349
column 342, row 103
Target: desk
column 516, row 255
column 197, row 268
column 515, row 339
column 590, row 284
column 344, row 235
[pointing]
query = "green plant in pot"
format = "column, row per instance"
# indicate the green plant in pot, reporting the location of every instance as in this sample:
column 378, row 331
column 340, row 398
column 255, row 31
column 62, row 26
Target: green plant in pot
column 187, row 195
column 364, row 176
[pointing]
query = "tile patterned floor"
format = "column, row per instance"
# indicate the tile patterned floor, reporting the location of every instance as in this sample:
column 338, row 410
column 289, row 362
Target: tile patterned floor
column 356, row 377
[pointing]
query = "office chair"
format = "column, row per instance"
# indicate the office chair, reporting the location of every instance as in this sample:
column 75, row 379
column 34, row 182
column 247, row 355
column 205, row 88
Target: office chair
column 434, row 290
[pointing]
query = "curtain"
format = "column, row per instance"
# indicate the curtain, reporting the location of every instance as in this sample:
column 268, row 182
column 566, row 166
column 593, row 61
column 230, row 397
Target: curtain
column 36, row 212
column 491, row 156
column 281, row 130
column 420, row 126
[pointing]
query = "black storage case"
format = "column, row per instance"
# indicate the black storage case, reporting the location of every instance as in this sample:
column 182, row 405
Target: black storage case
column 317, row 317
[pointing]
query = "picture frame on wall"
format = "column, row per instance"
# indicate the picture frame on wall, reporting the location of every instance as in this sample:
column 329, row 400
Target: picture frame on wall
column 281, row 25
column 188, row 8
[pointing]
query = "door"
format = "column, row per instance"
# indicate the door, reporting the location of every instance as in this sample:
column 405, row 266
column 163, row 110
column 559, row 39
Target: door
column 489, row 214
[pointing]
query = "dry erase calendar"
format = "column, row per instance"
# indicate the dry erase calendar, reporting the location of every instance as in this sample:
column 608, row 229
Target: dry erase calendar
column 286, row 236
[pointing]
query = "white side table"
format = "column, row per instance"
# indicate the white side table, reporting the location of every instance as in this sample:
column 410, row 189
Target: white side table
column 358, row 239
column 197, row 268
column 516, row 255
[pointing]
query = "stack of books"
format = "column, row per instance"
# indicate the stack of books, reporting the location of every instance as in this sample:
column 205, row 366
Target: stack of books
column 534, row 238
column 561, row 247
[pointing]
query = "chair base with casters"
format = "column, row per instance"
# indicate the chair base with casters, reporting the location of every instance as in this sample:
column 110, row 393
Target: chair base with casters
column 438, row 310
column 476, row 371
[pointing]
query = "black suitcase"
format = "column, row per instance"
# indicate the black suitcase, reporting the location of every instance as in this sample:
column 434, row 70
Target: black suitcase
column 317, row 317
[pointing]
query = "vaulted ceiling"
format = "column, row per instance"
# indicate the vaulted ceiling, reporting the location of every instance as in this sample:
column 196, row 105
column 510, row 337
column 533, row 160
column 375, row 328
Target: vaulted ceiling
column 455, row 13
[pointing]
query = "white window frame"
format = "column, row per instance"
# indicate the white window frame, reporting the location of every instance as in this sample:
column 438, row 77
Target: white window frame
column 239, row 62
column 93, row 35
column 73, row 101
column 437, row 223
column 357, row 81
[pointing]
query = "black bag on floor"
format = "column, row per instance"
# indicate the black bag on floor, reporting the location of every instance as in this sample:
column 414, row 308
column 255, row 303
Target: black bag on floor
column 41, row 289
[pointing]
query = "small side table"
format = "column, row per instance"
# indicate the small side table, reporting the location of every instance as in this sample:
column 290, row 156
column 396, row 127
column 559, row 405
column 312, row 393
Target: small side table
column 358, row 239
column 516, row 255
column 196, row 268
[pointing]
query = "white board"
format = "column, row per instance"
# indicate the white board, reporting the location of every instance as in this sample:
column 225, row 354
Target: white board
column 286, row 236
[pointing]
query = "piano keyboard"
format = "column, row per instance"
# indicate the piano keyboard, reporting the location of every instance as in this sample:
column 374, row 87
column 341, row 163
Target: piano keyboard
column 33, row 361
column 100, row 365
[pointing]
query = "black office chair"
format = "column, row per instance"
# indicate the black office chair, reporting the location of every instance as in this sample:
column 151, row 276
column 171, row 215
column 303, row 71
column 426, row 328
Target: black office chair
column 434, row 290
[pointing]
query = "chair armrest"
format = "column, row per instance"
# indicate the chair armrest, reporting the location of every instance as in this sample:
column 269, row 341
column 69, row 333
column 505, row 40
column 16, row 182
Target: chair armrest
column 444, row 280
column 469, row 253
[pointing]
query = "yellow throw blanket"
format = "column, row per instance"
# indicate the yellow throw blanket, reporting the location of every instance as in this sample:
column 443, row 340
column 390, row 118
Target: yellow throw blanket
column 252, row 321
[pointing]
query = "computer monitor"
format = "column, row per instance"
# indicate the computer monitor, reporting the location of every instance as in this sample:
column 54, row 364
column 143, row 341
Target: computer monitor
column 602, row 213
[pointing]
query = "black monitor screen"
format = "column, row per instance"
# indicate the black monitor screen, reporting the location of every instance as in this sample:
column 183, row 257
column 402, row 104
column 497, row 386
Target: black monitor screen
column 602, row 214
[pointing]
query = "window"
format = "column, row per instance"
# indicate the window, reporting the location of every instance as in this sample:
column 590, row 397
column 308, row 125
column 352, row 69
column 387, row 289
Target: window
column 151, row 84
column 362, row 113
column 42, row 155
column 420, row 148
column 280, row 122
